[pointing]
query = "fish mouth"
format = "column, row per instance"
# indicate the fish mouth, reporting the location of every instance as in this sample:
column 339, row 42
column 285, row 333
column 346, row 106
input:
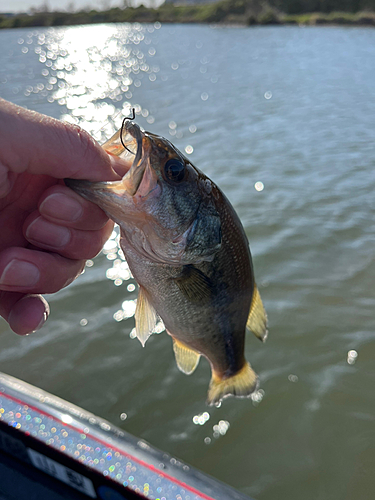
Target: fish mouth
column 131, row 145
column 133, row 178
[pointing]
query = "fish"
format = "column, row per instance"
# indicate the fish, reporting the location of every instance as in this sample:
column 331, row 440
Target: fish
column 188, row 251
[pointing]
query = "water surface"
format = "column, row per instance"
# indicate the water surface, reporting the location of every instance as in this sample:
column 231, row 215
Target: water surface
column 283, row 119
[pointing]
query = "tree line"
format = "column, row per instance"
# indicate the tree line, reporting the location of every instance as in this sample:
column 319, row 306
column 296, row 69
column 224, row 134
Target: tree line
column 245, row 12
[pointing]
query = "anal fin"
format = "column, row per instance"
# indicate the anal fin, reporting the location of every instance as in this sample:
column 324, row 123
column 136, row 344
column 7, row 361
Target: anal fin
column 145, row 318
column 241, row 385
column 187, row 359
column 257, row 320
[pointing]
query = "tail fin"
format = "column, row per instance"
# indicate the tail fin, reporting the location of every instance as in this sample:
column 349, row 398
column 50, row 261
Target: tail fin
column 241, row 385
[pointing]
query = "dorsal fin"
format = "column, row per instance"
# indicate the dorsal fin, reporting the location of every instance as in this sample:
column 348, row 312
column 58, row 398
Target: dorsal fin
column 257, row 320
column 187, row 359
column 194, row 284
column 145, row 317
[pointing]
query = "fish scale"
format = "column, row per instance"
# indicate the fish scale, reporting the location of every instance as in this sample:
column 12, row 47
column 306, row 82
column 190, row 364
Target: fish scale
column 189, row 253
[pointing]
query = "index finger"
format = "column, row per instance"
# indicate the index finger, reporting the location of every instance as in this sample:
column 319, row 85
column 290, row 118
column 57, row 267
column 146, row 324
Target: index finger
column 39, row 144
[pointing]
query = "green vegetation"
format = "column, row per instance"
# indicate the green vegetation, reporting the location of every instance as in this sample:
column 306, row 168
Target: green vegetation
column 244, row 12
column 323, row 6
column 360, row 18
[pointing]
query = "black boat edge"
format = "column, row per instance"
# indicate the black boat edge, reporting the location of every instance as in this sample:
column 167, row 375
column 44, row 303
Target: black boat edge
column 51, row 449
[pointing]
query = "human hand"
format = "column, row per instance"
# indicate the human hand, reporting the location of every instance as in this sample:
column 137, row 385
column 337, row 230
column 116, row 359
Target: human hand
column 47, row 230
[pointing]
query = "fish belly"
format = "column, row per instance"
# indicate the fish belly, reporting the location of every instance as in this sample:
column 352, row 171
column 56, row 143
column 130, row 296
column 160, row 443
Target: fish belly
column 214, row 328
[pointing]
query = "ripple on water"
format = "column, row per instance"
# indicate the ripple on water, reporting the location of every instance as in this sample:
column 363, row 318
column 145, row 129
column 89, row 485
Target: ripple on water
column 281, row 119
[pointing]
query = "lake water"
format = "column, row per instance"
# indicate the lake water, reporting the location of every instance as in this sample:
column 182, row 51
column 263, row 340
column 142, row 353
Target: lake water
column 283, row 119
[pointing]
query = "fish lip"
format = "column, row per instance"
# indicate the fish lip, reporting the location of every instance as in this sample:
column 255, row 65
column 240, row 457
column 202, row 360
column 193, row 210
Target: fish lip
column 77, row 184
column 87, row 189
column 133, row 178
column 80, row 184
column 128, row 179
column 135, row 131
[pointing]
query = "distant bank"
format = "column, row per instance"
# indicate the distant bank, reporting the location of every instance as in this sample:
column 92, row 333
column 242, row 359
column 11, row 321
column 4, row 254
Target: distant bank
column 239, row 12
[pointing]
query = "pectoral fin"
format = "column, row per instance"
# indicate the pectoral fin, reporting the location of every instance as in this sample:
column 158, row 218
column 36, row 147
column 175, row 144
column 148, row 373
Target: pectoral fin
column 257, row 320
column 194, row 284
column 145, row 318
column 241, row 385
column 187, row 359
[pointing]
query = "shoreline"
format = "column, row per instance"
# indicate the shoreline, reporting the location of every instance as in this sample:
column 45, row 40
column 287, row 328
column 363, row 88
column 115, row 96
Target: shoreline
column 212, row 14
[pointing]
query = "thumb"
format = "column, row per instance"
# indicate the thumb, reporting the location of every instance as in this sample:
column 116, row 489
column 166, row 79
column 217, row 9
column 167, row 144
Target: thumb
column 38, row 144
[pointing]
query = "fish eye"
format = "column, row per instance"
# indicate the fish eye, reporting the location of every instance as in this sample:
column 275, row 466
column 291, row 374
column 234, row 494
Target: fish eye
column 174, row 170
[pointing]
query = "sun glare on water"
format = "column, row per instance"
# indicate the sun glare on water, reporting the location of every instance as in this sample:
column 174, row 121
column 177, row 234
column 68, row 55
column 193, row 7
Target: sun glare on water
column 93, row 71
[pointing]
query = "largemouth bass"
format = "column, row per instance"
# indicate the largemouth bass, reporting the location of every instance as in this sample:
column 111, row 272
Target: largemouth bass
column 189, row 254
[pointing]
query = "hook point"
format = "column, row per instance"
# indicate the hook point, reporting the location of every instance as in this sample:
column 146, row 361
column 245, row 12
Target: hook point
column 122, row 129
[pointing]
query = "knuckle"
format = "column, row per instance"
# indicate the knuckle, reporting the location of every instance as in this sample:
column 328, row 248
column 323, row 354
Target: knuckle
column 69, row 270
column 76, row 271
column 84, row 245
column 98, row 240
column 82, row 147
column 94, row 248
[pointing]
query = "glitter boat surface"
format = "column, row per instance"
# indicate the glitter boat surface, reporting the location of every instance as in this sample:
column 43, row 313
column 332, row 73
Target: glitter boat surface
column 52, row 449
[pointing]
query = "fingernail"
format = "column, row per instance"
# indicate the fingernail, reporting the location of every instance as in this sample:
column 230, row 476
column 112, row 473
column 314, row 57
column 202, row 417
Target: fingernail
column 41, row 323
column 43, row 232
column 20, row 273
column 28, row 314
column 62, row 207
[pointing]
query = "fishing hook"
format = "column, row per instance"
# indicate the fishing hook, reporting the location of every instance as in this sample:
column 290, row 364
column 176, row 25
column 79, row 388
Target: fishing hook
column 122, row 129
